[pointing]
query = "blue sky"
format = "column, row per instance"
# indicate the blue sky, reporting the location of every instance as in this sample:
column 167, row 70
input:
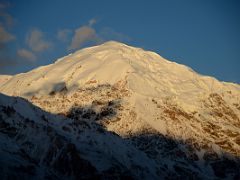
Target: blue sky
column 202, row 34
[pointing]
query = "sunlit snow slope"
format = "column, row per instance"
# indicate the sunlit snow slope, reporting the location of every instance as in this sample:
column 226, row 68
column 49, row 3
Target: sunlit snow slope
column 135, row 93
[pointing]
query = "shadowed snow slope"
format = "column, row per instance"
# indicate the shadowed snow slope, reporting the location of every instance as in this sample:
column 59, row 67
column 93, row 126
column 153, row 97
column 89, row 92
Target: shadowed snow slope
column 38, row 145
column 147, row 100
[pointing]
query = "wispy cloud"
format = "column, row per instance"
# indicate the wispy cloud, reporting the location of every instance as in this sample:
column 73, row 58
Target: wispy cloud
column 87, row 33
column 6, row 21
column 37, row 42
column 5, row 36
column 26, row 55
column 82, row 35
column 6, row 55
column 63, row 35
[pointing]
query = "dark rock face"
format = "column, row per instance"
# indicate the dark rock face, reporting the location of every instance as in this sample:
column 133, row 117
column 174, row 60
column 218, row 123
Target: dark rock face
column 70, row 163
column 224, row 167
column 184, row 162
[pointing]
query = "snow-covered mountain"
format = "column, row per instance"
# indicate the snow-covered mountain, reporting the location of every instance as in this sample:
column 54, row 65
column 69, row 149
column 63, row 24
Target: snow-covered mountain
column 174, row 122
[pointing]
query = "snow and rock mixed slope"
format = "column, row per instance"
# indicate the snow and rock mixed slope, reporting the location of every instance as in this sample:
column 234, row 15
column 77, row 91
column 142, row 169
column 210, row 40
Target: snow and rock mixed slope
column 186, row 123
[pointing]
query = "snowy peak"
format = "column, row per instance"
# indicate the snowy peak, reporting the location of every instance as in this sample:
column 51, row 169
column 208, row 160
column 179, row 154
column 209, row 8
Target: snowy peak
column 113, row 43
column 109, row 63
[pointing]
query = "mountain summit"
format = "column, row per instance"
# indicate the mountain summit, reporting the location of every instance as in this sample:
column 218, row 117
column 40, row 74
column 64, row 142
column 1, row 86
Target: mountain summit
column 186, row 124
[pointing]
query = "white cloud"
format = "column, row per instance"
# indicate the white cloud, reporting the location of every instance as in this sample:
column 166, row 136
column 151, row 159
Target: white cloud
column 35, row 40
column 27, row 55
column 5, row 36
column 63, row 34
column 82, row 35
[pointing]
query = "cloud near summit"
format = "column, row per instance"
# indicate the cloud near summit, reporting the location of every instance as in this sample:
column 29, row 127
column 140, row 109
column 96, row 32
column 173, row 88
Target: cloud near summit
column 36, row 41
column 25, row 54
column 6, row 21
column 88, row 33
column 81, row 36
column 5, row 36
column 63, row 34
